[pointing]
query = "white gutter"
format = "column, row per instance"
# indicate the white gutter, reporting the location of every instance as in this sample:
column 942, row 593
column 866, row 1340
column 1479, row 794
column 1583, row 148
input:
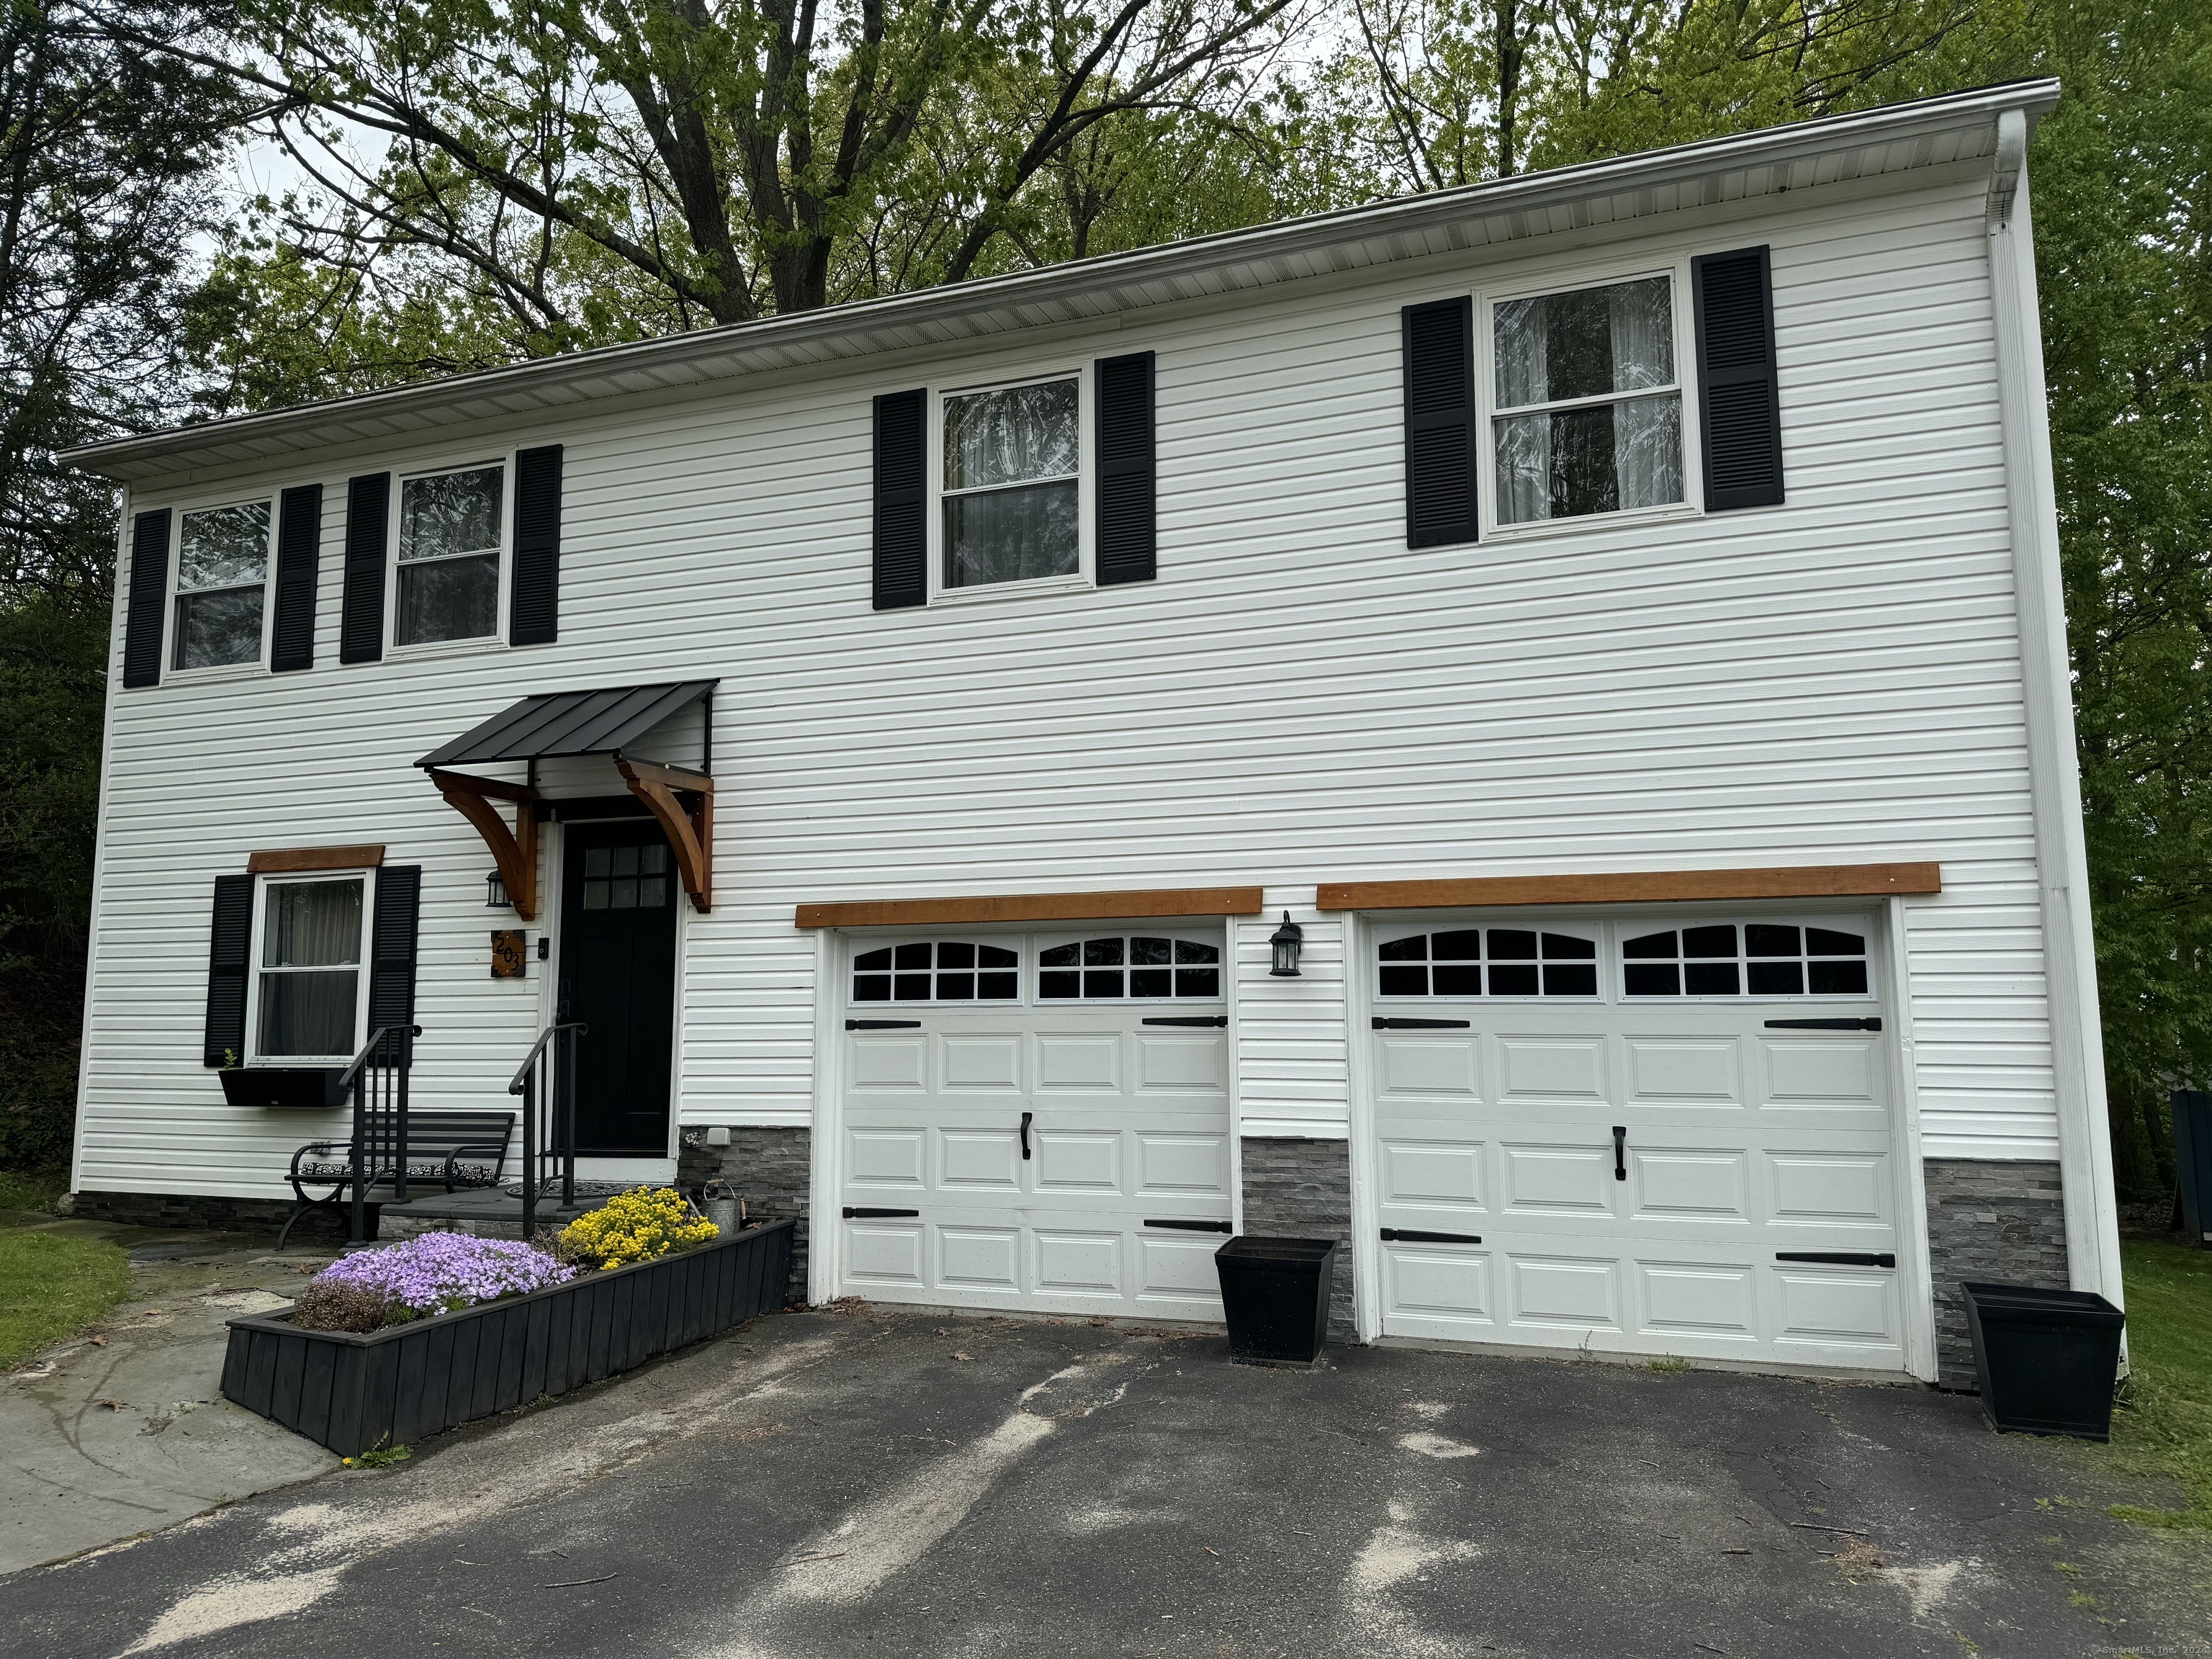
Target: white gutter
column 1000, row 300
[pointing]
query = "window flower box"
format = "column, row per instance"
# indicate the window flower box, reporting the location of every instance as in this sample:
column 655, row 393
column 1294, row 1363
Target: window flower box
column 354, row 1392
column 311, row 1088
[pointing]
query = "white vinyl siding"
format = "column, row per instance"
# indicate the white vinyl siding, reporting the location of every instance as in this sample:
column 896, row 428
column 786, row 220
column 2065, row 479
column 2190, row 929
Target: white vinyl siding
column 1299, row 698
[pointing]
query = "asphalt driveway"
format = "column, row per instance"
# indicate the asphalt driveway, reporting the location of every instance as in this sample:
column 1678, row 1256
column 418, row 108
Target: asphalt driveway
column 837, row 1483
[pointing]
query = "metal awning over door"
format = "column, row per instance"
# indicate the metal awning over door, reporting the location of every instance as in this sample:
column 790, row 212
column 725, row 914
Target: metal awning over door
column 557, row 723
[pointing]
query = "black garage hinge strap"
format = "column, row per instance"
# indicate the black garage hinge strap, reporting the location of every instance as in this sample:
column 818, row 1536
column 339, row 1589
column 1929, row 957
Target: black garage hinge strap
column 882, row 1024
column 1408, row 1236
column 1824, row 1024
column 1191, row 1226
column 1382, row 1024
column 1189, row 1019
column 1839, row 1258
column 852, row 1214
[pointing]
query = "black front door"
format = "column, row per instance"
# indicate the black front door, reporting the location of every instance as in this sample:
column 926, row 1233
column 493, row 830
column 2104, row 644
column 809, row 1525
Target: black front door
column 618, row 977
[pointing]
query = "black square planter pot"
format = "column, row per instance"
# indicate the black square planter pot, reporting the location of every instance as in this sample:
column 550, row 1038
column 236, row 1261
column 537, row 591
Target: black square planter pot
column 2046, row 1360
column 1275, row 1294
column 354, row 1391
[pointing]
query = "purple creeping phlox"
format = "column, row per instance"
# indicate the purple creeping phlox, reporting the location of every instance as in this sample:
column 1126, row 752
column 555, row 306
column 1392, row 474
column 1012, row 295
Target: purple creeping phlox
column 440, row 1272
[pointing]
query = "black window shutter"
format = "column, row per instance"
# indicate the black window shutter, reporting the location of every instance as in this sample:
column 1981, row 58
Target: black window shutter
column 299, row 559
column 902, row 500
column 1128, row 538
column 368, row 518
column 391, row 947
column 229, row 939
column 149, row 598
column 1738, row 404
column 1441, row 429
column 534, row 615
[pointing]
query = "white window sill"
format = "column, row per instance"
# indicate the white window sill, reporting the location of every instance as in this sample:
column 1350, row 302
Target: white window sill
column 1585, row 523
column 443, row 648
column 216, row 674
column 1078, row 583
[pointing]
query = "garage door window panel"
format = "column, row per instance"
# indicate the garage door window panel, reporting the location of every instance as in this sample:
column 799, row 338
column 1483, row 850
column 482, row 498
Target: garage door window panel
column 1495, row 962
column 938, row 970
column 1757, row 959
column 1129, row 967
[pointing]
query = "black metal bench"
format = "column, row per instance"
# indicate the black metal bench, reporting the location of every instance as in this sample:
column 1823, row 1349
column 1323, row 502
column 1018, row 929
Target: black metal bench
column 453, row 1150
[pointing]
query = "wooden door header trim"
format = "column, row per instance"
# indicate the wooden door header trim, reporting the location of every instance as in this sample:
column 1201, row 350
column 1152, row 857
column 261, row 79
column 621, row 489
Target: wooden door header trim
column 1636, row 886
column 1031, row 907
column 282, row 859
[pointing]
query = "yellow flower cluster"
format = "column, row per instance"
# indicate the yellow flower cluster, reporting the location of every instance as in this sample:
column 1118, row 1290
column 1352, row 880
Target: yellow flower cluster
column 636, row 1226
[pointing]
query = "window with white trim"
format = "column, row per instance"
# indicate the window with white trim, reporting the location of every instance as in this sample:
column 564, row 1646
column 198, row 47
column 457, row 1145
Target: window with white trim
column 1121, row 967
column 938, row 970
column 309, row 983
column 451, row 536
column 1009, row 506
column 1587, row 411
column 1757, row 959
column 1495, row 962
column 222, row 585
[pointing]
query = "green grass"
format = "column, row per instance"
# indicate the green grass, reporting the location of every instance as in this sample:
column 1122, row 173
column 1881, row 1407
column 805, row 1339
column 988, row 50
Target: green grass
column 22, row 1191
column 50, row 1284
column 2164, row 1426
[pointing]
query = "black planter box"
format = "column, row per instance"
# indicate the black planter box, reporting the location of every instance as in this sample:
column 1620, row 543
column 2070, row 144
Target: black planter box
column 1275, row 1293
column 355, row 1392
column 2046, row 1360
column 313, row 1088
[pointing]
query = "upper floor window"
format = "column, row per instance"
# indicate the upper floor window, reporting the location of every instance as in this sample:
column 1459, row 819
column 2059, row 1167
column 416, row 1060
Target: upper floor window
column 1760, row 959
column 1011, row 487
column 222, row 584
column 309, row 987
column 449, row 553
column 1589, row 410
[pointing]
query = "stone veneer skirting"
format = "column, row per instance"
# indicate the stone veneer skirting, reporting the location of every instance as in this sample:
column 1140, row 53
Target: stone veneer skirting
column 2004, row 1222
column 201, row 1210
column 770, row 1168
column 1300, row 1188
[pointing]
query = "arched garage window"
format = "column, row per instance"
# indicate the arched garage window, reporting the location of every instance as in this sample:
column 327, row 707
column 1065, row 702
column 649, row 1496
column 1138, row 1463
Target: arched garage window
column 938, row 970
column 1128, row 965
column 1498, row 962
column 1760, row 959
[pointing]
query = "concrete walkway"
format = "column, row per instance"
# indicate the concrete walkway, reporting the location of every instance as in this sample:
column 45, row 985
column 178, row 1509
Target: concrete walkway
column 122, row 1430
column 834, row 1483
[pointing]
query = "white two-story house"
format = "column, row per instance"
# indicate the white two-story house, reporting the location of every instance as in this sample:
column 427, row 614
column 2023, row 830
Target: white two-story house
column 1525, row 728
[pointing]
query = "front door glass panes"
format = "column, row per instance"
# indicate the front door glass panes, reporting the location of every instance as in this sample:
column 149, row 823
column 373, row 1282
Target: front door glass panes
column 937, row 971
column 1589, row 411
column 1121, row 966
column 222, row 576
column 1758, row 959
column 1498, row 962
column 310, row 970
column 625, row 878
column 1010, row 495
column 449, row 541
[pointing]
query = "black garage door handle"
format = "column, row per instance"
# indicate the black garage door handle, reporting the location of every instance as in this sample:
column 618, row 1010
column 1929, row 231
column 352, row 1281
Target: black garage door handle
column 851, row 1213
column 1839, row 1258
column 1189, row 1019
column 1382, row 1024
column 1408, row 1236
column 1192, row 1226
column 1823, row 1025
column 882, row 1024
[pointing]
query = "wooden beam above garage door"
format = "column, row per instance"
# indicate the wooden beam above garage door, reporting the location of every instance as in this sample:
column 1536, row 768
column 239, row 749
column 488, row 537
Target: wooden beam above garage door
column 1636, row 886
column 1147, row 903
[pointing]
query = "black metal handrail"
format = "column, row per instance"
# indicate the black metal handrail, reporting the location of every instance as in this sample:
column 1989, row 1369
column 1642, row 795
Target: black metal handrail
column 556, row 1046
column 378, row 1079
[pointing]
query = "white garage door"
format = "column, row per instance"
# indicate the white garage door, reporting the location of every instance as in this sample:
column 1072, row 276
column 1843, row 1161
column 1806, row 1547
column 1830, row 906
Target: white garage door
column 1036, row 1122
column 1661, row 1137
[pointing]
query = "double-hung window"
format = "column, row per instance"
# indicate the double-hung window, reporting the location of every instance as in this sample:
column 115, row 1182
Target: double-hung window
column 451, row 531
column 1587, row 402
column 222, row 585
column 309, row 985
column 1011, row 485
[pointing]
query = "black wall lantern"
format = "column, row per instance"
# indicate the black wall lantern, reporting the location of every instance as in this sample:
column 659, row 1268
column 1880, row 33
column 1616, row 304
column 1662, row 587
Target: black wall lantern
column 1289, row 940
column 496, row 897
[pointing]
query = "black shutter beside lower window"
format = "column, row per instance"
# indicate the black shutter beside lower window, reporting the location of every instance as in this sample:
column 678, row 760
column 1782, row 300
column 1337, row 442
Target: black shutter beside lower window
column 149, row 598
column 1442, row 431
column 391, row 947
column 299, row 560
column 1128, row 523
column 1739, row 405
column 901, row 501
column 369, row 522
column 534, row 614
column 230, row 937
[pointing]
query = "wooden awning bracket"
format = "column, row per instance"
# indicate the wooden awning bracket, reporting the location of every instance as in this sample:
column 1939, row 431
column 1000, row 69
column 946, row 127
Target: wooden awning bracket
column 689, row 829
column 515, row 851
